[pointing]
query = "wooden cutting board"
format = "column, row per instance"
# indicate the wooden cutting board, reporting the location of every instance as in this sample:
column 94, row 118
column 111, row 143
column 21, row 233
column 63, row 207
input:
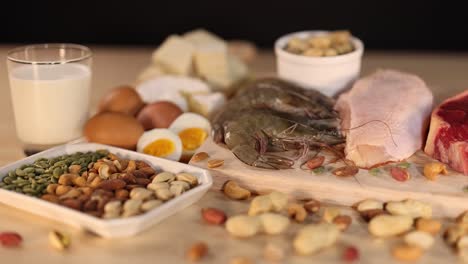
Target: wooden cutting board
column 445, row 194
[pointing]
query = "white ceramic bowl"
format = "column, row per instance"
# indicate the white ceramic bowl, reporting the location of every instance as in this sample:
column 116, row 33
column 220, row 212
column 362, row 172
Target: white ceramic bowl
column 329, row 75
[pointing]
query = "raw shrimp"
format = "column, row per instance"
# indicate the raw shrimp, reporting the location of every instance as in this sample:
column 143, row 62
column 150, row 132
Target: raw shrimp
column 270, row 118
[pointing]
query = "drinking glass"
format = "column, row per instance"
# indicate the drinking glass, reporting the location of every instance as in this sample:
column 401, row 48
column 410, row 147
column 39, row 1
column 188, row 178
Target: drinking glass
column 50, row 91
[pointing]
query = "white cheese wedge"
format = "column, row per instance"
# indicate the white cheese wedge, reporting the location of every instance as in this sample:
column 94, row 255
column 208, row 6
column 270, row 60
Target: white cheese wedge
column 175, row 55
column 203, row 39
column 206, row 104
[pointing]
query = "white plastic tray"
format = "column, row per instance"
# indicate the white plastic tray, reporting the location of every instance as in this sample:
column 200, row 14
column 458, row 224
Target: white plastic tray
column 103, row 227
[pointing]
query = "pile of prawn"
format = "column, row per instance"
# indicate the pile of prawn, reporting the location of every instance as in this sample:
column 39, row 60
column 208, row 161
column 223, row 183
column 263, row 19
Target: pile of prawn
column 271, row 124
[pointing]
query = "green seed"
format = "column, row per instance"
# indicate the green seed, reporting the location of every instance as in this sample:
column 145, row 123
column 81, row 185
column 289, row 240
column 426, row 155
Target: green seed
column 39, row 170
column 57, row 172
column 20, row 172
column 12, row 174
column 7, row 180
column 29, row 169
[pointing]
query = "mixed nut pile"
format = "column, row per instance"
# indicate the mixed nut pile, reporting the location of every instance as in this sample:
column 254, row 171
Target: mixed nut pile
column 99, row 183
column 272, row 214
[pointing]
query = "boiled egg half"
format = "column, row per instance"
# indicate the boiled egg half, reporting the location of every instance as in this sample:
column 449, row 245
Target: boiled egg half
column 161, row 143
column 192, row 129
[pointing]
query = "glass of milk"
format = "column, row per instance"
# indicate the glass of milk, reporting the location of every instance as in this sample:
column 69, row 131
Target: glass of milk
column 50, row 91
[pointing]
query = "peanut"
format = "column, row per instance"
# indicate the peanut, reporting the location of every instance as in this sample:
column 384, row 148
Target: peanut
column 462, row 242
column 330, row 213
column 51, row 188
column 215, row 163
column 232, row 190
column 390, row 225
column 406, row 252
column 260, row 204
column 73, row 193
column 297, row 212
column 131, row 166
column 410, row 207
column 455, row 232
column 273, row 224
column 312, row 206
column 62, row 189
column 243, row 225
column 279, row 200
column 369, row 204
column 95, row 182
column 462, row 218
column 312, row 238
column 420, row 239
column 342, row 222
column 66, row 179
column 86, row 190
column 315, row 162
column 431, row 170
column 148, row 205
column 197, row 251
column 164, row 177
column 430, row 226
column 400, row 174
column 346, row 171
column 200, row 156
column 187, row 177
column 50, row 198
column 213, row 216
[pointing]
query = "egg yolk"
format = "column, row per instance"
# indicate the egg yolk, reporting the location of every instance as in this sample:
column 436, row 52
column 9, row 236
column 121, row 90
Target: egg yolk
column 160, row 148
column 192, row 138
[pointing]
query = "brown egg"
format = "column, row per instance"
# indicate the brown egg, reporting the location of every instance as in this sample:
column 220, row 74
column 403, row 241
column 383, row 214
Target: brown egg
column 158, row 115
column 123, row 99
column 116, row 129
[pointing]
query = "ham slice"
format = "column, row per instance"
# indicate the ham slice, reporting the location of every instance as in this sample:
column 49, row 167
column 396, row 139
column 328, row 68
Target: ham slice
column 383, row 117
column 448, row 134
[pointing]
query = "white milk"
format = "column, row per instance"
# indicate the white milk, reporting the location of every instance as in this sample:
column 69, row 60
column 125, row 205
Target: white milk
column 50, row 102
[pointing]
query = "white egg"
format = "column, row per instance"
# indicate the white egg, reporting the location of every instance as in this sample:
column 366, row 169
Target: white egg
column 160, row 142
column 171, row 88
column 192, row 129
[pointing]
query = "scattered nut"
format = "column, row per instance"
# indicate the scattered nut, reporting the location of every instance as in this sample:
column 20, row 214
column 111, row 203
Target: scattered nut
column 404, row 252
column 260, row 204
column 185, row 185
column 10, row 239
column 232, row 190
column 273, row 252
column 62, row 189
column 131, row 207
column 148, row 205
column 75, row 169
column 420, row 239
column 51, row 188
column 112, row 185
column 243, row 225
column 399, row 174
column 330, row 213
column 113, row 207
column 66, row 179
column 279, row 200
column 312, row 238
column 274, row 224
column 73, row 193
column 197, row 251
column 350, row 254
column 390, row 225
column 200, row 156
column 462, row 242
column 346, row 171
column 430, row 226
column 176, row 190
column 104, row 171
column 121, row 194
column 312, row 206
column 158, row 185
column 454, row 233
column 342, row 222
column 410, row 207
column 367, row 215
column 213, row 216
column 297, row 212
column 59, row 240
column 369, row 204
column 50, row 198
column 462, row 218
column 431, row 170
column 315, row 162
column 215, row 163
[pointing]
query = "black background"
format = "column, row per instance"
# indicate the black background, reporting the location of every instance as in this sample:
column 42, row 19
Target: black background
column 407, row 25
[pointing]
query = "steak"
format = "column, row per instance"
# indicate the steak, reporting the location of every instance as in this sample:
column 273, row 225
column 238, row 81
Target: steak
column 448, row 134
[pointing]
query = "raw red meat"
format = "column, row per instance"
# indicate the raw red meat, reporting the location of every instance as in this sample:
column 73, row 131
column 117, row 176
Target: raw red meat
column 448, row 134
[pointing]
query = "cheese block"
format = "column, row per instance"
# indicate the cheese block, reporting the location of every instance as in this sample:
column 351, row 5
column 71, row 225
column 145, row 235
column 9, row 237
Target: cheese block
column 175, row 55
column 206, row 104
column 203, row 39
column 150, row 72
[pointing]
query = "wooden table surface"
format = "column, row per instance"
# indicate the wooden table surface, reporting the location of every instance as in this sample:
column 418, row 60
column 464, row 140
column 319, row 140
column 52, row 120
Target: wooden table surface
column 166, row 242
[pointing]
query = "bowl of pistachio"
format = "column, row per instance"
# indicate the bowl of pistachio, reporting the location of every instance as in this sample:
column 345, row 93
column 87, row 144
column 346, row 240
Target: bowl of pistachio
column 328, row 61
